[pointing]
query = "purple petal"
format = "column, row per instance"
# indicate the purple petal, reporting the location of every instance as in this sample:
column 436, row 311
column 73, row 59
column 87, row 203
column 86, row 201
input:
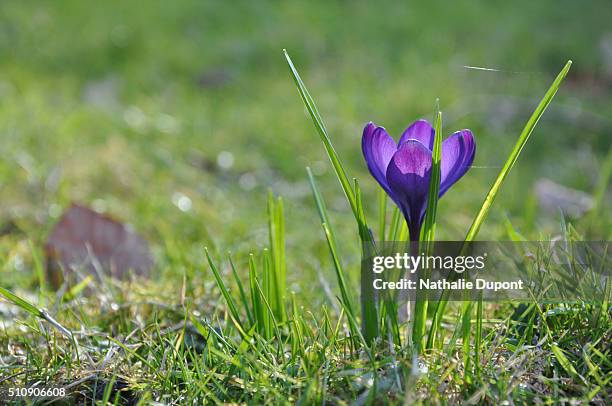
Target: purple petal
column 421, row 131
column 378, row 149
column 408, row 175
column 458, row 152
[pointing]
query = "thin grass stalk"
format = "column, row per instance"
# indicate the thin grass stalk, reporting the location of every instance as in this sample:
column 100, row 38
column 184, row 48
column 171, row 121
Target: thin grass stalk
column 382, row 213
column 429, row 224
column 320, row 127
column 466, row 322
column 224, row 291
column 258, row 311
column 478, row 335
column 388, row 307
column 38, row 267
column 346, row 301
column 495, row 188
column 364, row 232
column 516, row 151
column 276, row 232
column 345, row 296
column 281, row 271
column 428, row 235
column 369, row 298
column 272, row 323
column 243, row 297
column 331, row 242
column 42, row 314
column 268, row 279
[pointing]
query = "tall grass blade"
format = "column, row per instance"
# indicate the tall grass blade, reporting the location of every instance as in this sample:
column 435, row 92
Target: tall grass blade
column 243, row 297
column 369, row 299
column 395, row 224
column 272, row 324
column 258, row 310
column 226, row 295
column 41, row 313
column 320, row 127
column 478, row 335
column 75, row 290
column 429, row 224
column 276, row 229
column 516, row 151
column 268, row 282
column 364, row 232
column 281, row 270
column 495, row 188
column 38, row 267
column 429, row 230
column 382, row 214
column 297, row 343
column 319, row 202
column 565, row 363
column 20, row 302
column 347, row 302
column 466, row 322
column 345, row 293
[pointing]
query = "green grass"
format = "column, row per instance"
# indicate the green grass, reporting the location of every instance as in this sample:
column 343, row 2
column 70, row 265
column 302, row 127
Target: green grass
column 126, row 107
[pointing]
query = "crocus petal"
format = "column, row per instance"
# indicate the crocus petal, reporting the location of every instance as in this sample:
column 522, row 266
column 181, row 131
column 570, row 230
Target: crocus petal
column 421, row 131
column 458, row 152
column 408, row 175
column 378, row 149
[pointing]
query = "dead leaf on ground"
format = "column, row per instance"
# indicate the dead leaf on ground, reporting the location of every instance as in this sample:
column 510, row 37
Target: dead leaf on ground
column 86, row 242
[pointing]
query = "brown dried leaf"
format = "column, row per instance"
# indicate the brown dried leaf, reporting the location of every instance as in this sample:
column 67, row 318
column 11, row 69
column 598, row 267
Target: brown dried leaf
column 85, row 242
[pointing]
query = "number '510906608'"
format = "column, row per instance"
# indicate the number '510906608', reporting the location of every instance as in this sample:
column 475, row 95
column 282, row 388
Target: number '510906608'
column 36, row 392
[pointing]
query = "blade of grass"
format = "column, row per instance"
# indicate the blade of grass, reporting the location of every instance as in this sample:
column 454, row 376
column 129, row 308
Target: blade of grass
column 338, row 168
column 495, row 188
column 281, row 271
column 272, row 320
column 38, row 266
column 74, row 291
column 270, row 278
column 226, row 295
column 266, row 288
column 429, row 223
column 331, row 152
column 258, row 311
column 276, row 229
column 466, row 321
column 319, row 202
column 344, row 293
column 41, row 313
column 382, row 214
column 428, row 235
column 395, row 225
column 243, row 298
column 478, row 334
column 24, row 304
column 369, row 299
column 297, row 343
column 565, row 363
column 320, row 127
column 331, row 243
column 108, row 390
column 516, row 151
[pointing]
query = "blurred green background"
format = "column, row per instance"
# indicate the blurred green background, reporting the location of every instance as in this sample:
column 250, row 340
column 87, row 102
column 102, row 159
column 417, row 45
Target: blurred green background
column 178, row 116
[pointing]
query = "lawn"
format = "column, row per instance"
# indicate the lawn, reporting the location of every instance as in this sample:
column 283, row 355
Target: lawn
column 180, row 118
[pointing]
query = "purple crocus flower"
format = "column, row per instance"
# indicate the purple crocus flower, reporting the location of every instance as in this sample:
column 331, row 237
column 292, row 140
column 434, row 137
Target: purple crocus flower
column 403, row 169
